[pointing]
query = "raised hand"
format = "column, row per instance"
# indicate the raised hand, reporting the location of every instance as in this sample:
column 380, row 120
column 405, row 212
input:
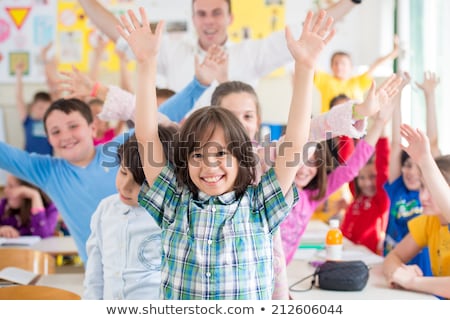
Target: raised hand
column 315, row 36
column 418, row 143
column 75, row 84
column 213, row 67
column 139, row 36
column 378, row 101
column 430, row 82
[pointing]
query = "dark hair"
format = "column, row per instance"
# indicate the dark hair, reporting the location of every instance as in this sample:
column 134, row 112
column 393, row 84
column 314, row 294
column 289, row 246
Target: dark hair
column 340, row 53
column 95, row 101
column 323, row 162
column 128, row 152
column 42, row 96
column 443, row 163
column 198, row 128
column 227, row 1
column 24, row 212
column 164, row 93
column 68, row 106
column 336, row 100
column 403, row 157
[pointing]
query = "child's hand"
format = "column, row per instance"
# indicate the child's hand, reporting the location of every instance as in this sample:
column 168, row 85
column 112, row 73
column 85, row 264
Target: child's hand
column 430, row 82
column 404, row 276
column 379, row 100
column 23, row 192
column 76, row 84
column 8, row 232
column 213, row 67
column 141, row 39
column 313, row 39
column 418, row 143
column 44, row 52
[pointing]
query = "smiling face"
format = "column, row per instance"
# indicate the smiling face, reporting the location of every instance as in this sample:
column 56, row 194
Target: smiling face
column 243, row 106
column 127, row 187
column 411, row 175
column 71, row 136
column 212, row 168
column 367, row 179
column 211, row 19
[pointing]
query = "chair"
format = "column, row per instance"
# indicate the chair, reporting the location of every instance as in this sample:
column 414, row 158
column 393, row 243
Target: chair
column 27, row 259
column 36, row 293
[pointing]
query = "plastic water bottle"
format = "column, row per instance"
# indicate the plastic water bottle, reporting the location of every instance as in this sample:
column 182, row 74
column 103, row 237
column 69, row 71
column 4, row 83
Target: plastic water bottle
column 334, row 241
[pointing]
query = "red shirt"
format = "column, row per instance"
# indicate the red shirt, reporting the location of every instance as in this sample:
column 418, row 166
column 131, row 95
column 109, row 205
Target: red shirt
column 366, row 218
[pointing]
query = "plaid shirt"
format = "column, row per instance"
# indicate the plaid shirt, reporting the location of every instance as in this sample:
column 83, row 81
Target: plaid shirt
column 216, row 247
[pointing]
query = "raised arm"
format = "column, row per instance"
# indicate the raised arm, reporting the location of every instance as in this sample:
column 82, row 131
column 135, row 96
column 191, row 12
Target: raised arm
column 305, row 52
column 428, row 86
column 51, row 71
column 102, row 18
column 341, row 8
column 99, row 50
column 390, row 56
column 419, row 150
column 145, row 45
column 396, row 150
column 125, row 74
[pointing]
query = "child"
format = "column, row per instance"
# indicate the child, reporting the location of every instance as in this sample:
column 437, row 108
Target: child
column 103, row 131
column 124, row 248
column 31, row 117
column 209, row 255
column 312, row 180
column 403, row 185
column 341, row 80
column 430, row 229
column 26, row 211
column 365, row 219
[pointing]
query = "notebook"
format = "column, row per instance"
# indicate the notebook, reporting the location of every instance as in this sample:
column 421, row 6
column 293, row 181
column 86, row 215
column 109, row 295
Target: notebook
column 20, row 241
column 14, row 275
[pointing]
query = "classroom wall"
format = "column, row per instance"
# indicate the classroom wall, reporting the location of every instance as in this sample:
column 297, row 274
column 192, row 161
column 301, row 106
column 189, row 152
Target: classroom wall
column 366, row 33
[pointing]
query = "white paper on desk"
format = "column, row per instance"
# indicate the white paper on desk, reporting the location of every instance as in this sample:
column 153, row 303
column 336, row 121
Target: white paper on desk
column 17, row 275
column 19, row 241
column 368, row 258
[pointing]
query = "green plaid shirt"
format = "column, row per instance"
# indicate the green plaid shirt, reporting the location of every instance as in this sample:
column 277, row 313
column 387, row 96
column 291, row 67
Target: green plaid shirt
column 216, row 247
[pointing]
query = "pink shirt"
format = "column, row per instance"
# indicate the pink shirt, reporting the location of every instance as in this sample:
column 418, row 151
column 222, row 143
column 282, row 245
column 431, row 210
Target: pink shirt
column 293, row 227
column 108, row 136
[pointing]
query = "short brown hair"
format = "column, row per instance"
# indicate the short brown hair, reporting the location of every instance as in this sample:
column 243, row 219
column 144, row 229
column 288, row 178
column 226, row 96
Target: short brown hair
column 200, row 126
column 340, row 53
column 227, row 1
column 68, row 106
column 128, row 152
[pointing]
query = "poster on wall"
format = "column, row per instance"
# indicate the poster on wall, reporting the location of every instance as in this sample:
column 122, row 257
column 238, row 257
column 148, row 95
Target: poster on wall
column 26, row 26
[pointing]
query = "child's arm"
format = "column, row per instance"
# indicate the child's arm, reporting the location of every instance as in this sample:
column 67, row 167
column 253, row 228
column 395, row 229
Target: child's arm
column 20, row 101
column 51, row 71
column 395, row 156
column 390, row 56
column 305, row 51
column 419, row 150
column 94, row 71
column 399, row 256
column 145, row 45
column 406, row 278
column 102, row 18
column 125, row 75
column 341, row 8
column 428, row 86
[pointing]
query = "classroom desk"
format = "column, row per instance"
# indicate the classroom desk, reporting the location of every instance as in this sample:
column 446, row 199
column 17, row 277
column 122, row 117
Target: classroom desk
column 376, row 288
column 57, row 246
column 68, row 281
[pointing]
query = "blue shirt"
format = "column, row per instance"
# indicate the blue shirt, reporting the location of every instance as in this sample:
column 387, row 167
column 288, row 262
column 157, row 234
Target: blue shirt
column 35, row 137
column 405, row 205
column 217, row 247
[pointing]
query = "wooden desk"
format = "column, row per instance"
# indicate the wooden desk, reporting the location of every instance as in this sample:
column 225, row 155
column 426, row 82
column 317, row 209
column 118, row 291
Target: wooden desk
column 69, row 281
column 57, row 246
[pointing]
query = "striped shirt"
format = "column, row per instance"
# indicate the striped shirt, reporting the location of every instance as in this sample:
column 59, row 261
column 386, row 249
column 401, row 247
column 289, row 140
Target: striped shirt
column 216, row 247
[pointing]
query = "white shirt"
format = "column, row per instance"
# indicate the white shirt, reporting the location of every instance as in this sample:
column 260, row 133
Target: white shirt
column 248, row 61
column 124, row 253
